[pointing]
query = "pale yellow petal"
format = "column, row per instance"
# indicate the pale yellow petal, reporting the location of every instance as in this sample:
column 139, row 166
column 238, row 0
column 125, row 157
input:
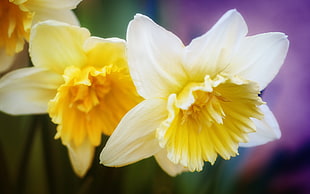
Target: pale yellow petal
column 154, row 57
column 64, row 15
column 260, row 57
column 210, row 53
column 266, row 130
column 28, row 90
column 52, row 4
column 169, row 167
column 55, row 45
column 81, row 157
column 104, row 52
column 134, row 138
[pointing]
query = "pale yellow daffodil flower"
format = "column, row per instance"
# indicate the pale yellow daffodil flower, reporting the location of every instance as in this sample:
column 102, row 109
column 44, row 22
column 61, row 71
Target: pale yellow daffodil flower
column 201, row 100
column 18, row 16
column 83, row 83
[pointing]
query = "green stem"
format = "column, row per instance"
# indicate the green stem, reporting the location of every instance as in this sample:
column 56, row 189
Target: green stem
column 21, row 176
column 47, row 154
column 5, row 183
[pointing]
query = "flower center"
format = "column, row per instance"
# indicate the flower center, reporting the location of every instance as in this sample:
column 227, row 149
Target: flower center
column 196, row 113
column 15, row 22
column 209, row 119
column 82, row 106
column 85, row 96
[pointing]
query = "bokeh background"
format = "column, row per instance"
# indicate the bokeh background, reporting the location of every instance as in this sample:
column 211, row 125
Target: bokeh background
column 31, row 161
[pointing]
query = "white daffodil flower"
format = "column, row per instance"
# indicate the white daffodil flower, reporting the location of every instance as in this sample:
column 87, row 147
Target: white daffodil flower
column 201, row 100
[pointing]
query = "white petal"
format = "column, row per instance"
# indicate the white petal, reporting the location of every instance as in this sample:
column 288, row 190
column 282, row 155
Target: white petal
column 134, row 138
column 81, row 157
column 260, row 57
column 212, row 52
column 28, row 90
column 169, row 167
column 266, row 130
column 6, row 60
column 154, row 57
column 56, row 45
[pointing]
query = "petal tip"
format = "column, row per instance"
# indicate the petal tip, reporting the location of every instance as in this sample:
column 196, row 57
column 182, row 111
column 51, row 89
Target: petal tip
column 139, row 15
column 81, row 157
column 141, row 18
column 232, row 12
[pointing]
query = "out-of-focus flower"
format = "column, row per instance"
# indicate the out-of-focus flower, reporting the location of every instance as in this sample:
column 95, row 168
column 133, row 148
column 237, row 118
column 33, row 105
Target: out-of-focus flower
column 17, row 17
column 81, row 81
column 201, row 100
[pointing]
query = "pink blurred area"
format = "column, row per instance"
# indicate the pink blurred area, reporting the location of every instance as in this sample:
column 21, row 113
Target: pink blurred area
column 289, row 93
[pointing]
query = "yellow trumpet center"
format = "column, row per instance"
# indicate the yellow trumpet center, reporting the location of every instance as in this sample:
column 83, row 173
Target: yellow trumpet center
column 209, row 119
column 15, row 22
column 91, row 102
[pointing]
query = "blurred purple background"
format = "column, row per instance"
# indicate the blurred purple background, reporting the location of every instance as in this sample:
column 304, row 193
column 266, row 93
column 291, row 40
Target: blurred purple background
column 288, row 95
